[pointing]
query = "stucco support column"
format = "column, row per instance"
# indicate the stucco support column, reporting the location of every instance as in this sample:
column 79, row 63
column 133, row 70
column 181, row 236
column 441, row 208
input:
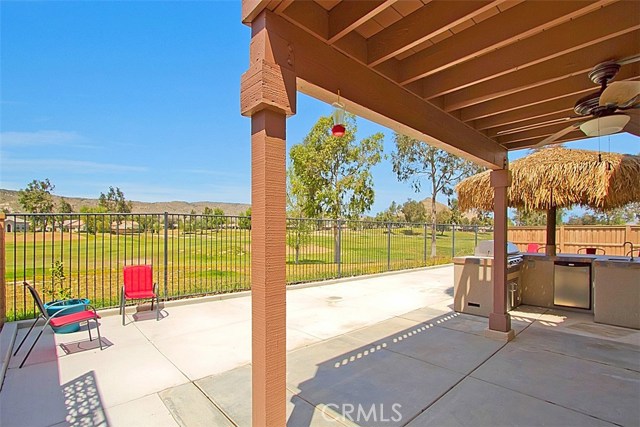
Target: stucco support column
column 499, row 319
column 268, row 97
column 3, row 259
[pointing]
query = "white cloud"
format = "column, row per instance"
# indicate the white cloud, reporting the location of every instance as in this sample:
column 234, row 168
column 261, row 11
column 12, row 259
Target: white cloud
column 211, row 172
column 42, row 137
column 196, row 193
column 72, row 166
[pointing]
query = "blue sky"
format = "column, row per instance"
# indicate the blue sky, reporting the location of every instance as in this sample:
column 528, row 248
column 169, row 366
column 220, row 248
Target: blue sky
column 145, row 96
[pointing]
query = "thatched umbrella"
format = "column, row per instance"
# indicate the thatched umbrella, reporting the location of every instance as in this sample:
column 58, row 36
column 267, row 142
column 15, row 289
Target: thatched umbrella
column 559, row 177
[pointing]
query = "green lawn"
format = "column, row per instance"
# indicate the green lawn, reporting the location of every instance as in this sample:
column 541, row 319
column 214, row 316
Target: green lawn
column 208, row 261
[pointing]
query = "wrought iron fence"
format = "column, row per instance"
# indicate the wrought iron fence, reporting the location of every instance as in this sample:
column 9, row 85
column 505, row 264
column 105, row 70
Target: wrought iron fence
column 195, row 254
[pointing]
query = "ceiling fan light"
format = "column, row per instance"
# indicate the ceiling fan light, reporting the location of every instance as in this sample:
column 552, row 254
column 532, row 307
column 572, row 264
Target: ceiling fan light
column 605, row 125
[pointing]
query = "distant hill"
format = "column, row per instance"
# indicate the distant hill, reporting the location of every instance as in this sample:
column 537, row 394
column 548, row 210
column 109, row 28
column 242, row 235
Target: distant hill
column 9, row 200
column 439, row 206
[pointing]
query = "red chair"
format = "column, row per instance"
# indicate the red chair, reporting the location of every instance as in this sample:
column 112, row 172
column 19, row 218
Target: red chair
column 533, row 248
column 592, row 251
column 138, row 284
column 57, row 320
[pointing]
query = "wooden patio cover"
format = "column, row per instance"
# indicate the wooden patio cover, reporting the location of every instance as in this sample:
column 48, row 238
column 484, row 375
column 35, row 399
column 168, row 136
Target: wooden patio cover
column 477, row 78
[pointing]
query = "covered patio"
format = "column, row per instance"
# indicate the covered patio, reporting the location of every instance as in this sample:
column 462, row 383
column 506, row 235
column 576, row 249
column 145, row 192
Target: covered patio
column 475, row 78
column 368, row 342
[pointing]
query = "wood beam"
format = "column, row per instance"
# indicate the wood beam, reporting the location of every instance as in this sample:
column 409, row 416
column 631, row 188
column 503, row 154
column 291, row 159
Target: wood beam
column 268, row 96
column 535, row 133
column 3, row 286
column 268, row 268
column 560, row 105
column 252, row 8
column 347, row 16
column 531, row 124
column 633, row 127
column 282, row 6
column 579, row 34
column 516, row 23
column 322, row 71
column 309, row 16
column 577, row 62
column 521, row 145
column 577, row 86
column 313, row 18
column 429, row 21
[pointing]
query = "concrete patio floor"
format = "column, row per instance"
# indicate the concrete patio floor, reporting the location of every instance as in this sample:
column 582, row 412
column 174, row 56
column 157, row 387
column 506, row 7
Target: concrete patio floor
column 390, row 343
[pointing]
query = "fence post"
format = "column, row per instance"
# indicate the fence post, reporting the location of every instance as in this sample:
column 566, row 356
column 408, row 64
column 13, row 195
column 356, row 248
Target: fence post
column 339, row 248
column 453, row 240
column 424, row 258
column 3, row 288
column 165, row 260
column 388, row 246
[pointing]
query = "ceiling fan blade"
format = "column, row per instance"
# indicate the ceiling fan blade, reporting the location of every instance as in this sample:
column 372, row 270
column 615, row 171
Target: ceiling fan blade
column 622, row 94
column 558, row 135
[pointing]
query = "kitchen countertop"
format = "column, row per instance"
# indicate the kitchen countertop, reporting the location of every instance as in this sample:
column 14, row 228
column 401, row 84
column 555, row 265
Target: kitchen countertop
column 601, row 260
column 598, row 260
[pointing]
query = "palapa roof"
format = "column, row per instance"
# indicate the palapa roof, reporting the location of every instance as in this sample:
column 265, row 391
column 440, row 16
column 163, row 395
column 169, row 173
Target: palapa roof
column 561, row 177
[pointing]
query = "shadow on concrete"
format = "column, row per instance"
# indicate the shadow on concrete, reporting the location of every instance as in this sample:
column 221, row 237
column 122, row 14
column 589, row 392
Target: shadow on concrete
column 74, row 403
column 387, row 381
column 83, row 402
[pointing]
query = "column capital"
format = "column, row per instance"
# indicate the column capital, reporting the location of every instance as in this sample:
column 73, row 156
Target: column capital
column 500, row 178
column 266, row 85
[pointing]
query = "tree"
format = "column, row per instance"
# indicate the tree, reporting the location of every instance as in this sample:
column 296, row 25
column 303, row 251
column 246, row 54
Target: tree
column 64, row 206
column 617, row 216
column 298, row 229
column 96, row 223
column 631, row 212
column 114, row 201
column 334, row 173
column 415, row 160
column 37, row 198
column 524, row 217
column 391, row 214
column 298, row 234
column 244, row 222
column 414, row 211
column 455, row 215
column 214, row 218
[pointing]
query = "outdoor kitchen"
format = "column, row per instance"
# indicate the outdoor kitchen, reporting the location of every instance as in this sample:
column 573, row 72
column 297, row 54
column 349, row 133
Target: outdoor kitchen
column 606, row 286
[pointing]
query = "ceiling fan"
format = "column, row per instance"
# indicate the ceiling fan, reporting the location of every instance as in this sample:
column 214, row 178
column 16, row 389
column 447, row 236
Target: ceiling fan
column 604, row 109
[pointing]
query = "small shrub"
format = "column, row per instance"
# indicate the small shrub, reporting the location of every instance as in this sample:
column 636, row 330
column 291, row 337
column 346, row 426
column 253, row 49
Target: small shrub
column 58, row 290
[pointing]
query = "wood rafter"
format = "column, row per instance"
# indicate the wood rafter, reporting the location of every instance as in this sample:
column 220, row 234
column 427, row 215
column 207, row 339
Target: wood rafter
column 537, row 123
column 515, row 79
column 574, row 63
column 321, row 71
column 346, row 17
column 516, row 23
column 580, row 36
column 431, row 20
column 535, row 133
column 577, row 85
